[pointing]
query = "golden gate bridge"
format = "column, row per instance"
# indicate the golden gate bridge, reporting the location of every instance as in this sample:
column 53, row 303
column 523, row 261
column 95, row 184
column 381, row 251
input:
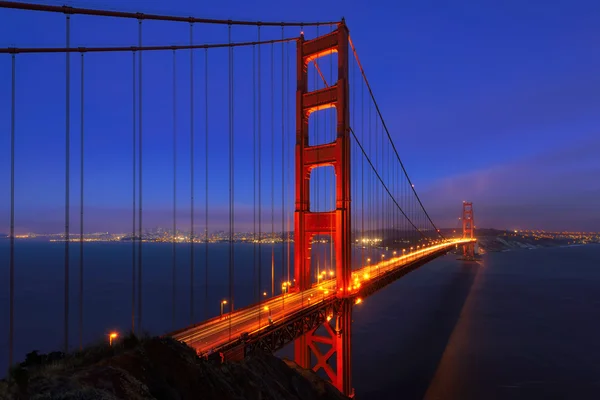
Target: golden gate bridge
column 304, row 142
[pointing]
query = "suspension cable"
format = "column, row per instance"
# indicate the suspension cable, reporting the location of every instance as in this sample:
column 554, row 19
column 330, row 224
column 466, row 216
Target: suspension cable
column 142, row 16
column 288, row 169
column 206, row 184
column 388, row 133
column 191, row 175
column 374, row 168
column 116, row 49
column 140, row 264
column 67, row 181
column 81, row 209
column 133, row 54
column 11, row 327
column 254, row 281
column 259, row 182
column 231, row 186
column 272, row 170
column 174, row 237
column 382, row 182
column 282, row 163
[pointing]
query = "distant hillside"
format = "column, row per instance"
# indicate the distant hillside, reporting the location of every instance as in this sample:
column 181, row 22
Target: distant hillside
column 163, row 369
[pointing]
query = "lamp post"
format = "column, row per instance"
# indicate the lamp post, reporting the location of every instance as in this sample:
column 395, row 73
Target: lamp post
column 223, row 304
column 112, row 336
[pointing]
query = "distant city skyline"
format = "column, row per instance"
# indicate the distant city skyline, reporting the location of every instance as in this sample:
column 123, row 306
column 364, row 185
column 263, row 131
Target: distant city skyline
column 483, row 103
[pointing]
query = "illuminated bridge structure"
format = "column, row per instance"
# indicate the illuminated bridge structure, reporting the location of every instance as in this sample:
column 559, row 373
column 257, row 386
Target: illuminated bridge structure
column 332, row 181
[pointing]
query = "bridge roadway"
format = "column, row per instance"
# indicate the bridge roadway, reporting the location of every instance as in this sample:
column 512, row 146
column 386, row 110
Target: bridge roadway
column 214, row 333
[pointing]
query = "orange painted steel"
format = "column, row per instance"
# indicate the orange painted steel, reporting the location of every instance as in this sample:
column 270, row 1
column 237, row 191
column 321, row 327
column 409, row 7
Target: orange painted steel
column 468, row 229
column 336, row 223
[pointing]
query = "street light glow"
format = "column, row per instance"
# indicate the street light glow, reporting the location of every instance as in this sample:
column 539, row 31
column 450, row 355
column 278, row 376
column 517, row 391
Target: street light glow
column 112, row 336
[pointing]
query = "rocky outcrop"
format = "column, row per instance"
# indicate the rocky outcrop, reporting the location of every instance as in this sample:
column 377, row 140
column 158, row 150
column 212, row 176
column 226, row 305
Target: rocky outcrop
column 160, row 368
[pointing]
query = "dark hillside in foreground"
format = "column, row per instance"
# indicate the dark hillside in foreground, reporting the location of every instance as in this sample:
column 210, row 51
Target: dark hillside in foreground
column 159, row 368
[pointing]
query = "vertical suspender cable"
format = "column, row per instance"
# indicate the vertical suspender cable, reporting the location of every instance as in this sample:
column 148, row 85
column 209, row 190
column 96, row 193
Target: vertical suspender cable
column 282, row 159
column 333, row 193
column 81, row 213
column 191, row 175
column 259, row 185
column 67, row 179
column 174, row 238
column 140, row 181
column 362, row 174
column 231, row 184
column 206, row 184
column 288, row 169
column 272, row 170
column 254, row 288
column 11, row 327
column 133, row 197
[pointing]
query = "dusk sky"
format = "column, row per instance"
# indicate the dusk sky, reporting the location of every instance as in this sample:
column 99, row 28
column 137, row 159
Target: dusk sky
column 494, row 102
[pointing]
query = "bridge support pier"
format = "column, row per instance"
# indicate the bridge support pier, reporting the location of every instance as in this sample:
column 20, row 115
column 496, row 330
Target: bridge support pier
column 332, row 351
column 468, row 230
column 335, row 223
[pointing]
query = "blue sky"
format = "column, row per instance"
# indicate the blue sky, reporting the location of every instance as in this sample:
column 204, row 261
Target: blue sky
column 490, row 101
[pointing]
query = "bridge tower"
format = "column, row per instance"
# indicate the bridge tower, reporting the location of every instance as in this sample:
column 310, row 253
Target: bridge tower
column 468, row 229
column 335, row 223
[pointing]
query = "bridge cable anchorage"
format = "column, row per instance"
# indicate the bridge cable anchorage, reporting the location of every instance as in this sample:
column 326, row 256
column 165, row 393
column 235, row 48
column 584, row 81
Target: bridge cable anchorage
column 81, row 182
column 67, row 181
column 133, row 258
column 388, row 133
column 144, row 16
column 383, row 184
column 206, row 198
column 116, row 49
column 140, row 170
column 174, row 237
column 11, row 327
column 192, row 233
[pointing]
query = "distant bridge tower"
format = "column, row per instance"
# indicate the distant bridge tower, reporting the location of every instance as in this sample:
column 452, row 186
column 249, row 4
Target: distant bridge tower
column 468, row 229
column 336, row 223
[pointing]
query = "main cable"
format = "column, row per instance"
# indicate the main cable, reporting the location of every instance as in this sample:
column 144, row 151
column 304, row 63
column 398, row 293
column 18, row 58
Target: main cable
column 388, row 134
column 381, row 180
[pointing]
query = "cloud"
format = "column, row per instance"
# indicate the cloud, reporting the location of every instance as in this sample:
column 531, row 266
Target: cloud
column 552, row 190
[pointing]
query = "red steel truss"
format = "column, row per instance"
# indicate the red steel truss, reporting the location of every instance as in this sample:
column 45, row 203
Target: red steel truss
column 336, row 223
column 468, row 229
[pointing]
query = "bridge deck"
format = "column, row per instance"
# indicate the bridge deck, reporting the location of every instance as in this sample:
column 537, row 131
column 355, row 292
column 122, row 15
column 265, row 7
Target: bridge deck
column 220, row 331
